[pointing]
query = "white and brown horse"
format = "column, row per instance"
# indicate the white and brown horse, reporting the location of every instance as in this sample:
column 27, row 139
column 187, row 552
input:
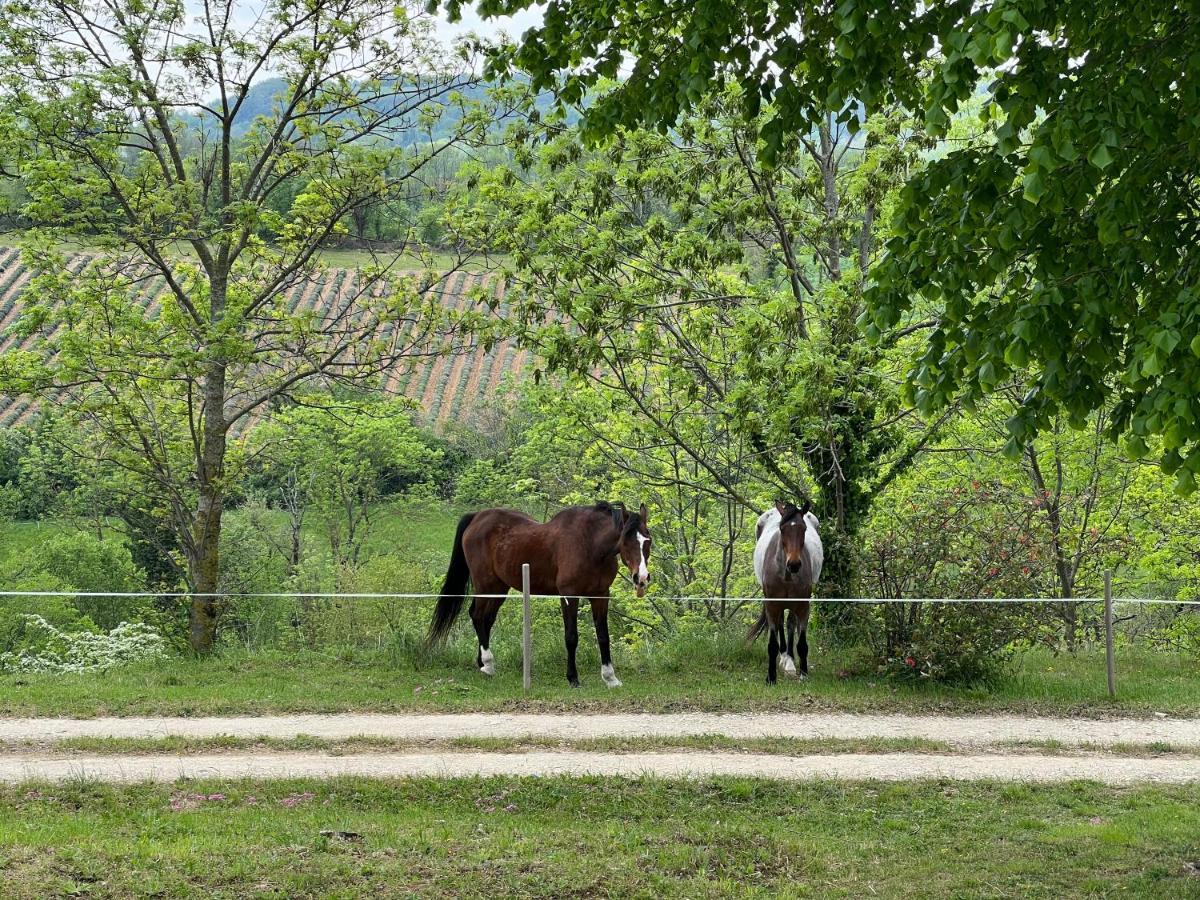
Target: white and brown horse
column 576, row 554
column 788, row 556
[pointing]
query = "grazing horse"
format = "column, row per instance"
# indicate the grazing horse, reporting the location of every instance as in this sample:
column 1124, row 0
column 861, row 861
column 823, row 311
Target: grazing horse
column 788, row 557
column 574, row 555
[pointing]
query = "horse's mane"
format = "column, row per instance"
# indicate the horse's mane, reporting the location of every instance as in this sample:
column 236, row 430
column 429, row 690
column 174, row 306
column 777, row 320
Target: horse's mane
column 604, row 508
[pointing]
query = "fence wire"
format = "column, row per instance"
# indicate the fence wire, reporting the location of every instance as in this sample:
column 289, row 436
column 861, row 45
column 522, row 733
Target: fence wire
column 324, row 595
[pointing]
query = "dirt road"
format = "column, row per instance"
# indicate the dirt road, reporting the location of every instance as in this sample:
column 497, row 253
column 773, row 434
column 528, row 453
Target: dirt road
column 666, row 764
column 964, row 731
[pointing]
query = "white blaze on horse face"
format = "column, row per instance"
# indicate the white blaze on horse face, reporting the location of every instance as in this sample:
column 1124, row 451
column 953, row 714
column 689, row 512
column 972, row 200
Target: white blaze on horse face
column 609, row 676
column 489, row 662
column 642, row 577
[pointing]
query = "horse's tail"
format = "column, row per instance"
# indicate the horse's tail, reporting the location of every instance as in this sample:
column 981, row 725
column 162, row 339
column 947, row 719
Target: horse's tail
column 758, row 627
column 454, row 588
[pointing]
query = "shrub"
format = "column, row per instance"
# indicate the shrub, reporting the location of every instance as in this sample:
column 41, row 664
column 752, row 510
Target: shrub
column 85, row 651
column 942, row 543
column 482, row 484
column 1181, row 634
column 90, row 564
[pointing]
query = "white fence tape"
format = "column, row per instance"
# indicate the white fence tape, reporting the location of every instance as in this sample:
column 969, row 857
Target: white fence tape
column 318, row 595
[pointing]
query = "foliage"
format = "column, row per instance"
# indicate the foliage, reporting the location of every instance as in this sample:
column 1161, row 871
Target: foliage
column 61, row 652
column 17, row 614
column 91, row 565
column 38, row 472
column 92, row 114
column 336, row 457
column 707, row 304
column 1063, row 238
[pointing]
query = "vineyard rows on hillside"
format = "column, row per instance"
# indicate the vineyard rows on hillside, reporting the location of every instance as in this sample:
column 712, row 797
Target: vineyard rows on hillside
column 447, row 387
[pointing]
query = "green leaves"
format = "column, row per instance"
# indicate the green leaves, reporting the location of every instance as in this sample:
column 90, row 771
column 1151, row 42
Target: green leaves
column 1071, row 206
column 1100, row 156
column 1034, row 186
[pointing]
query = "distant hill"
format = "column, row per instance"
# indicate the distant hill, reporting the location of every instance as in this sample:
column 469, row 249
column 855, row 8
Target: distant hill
column 448, row 389
column 262, row 95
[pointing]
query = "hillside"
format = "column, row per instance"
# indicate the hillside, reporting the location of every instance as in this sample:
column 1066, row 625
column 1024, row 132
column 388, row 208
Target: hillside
column 264, row 95
column 448, row 389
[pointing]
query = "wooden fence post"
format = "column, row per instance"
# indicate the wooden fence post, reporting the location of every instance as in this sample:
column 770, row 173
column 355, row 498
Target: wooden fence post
column 526, row 632
column 1110, row 659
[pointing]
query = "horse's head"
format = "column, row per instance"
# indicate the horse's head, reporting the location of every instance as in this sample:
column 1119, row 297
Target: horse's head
column 634, row 547
column 792, row 526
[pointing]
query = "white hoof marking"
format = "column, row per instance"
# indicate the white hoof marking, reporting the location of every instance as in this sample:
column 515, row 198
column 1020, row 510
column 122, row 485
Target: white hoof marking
column 489, row 663
column 609, row 676
column 787, row 664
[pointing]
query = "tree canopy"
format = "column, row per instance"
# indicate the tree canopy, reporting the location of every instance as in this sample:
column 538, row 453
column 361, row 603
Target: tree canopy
column 125, row 121
column 1061, row 241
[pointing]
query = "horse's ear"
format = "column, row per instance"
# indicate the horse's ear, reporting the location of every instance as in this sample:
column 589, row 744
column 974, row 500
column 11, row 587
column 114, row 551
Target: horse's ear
column 806, row 507
column 619, row 516
column 781, row 506
column 642, row 513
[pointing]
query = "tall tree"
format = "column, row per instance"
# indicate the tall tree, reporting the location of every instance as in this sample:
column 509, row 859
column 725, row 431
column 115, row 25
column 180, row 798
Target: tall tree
column 128, row 121
column 1066, row 241
column 716, row 299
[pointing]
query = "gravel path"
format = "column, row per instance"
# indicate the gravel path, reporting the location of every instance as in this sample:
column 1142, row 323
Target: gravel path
column 883, row 766
column 965, row 731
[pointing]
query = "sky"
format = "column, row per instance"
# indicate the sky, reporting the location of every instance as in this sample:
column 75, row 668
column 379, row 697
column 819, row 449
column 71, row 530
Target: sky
column 471, row 22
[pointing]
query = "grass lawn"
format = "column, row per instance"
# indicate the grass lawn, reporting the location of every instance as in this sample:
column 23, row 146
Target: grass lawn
column 597, row 838
column 19, row 539
column 300, row 681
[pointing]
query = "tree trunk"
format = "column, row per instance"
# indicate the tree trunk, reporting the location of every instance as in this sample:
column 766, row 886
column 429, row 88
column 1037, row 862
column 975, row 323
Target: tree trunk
column 205, row 565
column 835, row 471
column 205, row 558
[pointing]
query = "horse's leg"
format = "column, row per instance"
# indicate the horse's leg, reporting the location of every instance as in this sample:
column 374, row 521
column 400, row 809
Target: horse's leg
column 786, row 658
column 804, row 640
column 477, row 622
column 600, row 618
column 774, row 620
column 570, row 611
column 804, row 650
column 483, row 616
column 488, row 660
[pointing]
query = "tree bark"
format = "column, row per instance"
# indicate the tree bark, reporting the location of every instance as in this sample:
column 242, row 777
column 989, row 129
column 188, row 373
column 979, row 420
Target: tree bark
column 205, row 558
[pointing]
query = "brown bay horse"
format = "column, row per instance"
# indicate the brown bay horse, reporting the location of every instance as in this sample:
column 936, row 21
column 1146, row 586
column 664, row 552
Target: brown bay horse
column 575, row 555
column 788, row 556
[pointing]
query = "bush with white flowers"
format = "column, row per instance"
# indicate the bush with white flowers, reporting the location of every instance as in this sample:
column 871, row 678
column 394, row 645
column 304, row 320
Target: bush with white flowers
column 85, row 651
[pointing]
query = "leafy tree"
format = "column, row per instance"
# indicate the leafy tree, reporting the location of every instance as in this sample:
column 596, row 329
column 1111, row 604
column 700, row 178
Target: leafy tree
column 711, row 301
column 38, row 473
column 1065, row 239
column 338, row 458
column 125, row 121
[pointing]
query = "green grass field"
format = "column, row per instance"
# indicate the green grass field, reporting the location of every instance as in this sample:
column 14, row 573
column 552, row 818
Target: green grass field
column 259, row 683
column 598, row 838
column 416, row 528
column 19, row 539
